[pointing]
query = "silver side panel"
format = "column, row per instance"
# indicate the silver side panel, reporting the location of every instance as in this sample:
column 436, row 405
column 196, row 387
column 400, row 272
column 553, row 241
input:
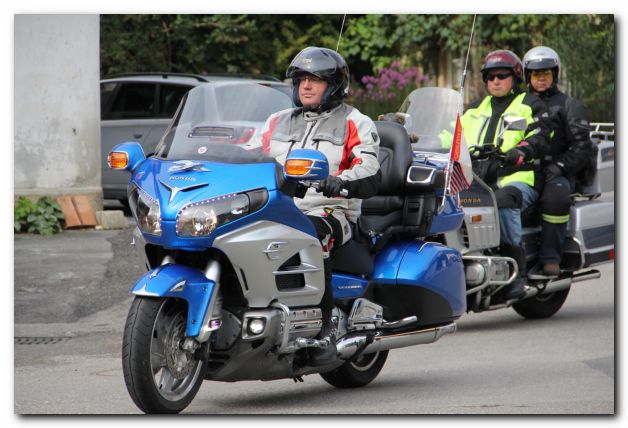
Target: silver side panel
column 604, row 180
column 484, row 233
column 258, row 250
column 592, row 223
column 478, row 235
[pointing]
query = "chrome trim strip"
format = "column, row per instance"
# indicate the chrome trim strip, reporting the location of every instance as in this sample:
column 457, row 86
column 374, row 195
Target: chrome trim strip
column 178, row 287
column 581, row 248
column 293, row 270
column 427, row 180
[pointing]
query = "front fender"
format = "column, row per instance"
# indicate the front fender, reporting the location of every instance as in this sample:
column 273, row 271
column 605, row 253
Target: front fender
column 180, row 282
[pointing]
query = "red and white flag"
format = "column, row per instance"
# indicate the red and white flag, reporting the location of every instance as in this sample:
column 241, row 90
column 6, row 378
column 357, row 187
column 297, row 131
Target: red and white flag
column 461, row 171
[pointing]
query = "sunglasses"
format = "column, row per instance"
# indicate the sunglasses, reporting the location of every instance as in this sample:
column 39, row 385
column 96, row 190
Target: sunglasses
column 310, row 77
column 541, row 73
column 500, row 76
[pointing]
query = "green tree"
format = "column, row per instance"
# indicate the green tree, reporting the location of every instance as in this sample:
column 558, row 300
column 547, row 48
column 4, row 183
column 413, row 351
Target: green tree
column 266, row 44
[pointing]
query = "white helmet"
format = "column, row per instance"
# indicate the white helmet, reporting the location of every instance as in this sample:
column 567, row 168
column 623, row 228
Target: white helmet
column 541, row 58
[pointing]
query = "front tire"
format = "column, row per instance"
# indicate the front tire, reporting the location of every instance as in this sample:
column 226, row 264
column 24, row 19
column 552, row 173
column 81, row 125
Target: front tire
column 542, row 306
column 160, row 376
column 354, row 374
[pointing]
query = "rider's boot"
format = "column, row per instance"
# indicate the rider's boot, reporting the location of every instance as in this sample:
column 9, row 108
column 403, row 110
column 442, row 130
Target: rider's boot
column 327, row 354
column 516, row 289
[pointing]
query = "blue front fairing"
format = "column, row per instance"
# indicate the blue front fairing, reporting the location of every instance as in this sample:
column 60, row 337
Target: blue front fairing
column 175, row 190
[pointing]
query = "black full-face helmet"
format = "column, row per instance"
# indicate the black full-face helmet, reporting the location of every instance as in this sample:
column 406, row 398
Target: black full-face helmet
column 325, row 64
column 502, row 59
column 541, row 58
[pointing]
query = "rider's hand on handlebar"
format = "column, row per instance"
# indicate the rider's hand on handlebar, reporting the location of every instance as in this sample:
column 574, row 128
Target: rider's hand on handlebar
column 331, row 186
column 551, row 172
column 515, row 157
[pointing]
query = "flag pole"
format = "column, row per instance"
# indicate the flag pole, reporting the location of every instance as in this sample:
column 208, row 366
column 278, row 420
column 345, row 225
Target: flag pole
column 447, row 189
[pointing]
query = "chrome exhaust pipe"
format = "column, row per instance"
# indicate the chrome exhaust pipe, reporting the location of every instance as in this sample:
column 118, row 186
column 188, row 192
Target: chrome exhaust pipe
column 563, row 284
column 348, row 347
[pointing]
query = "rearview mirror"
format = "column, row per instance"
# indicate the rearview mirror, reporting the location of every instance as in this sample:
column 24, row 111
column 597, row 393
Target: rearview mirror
column 306, row 164
column 515, row 123
column 126, row 156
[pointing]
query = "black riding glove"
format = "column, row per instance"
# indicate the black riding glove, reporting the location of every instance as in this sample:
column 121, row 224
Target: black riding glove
column 515, row 157
column 551, row 172
column 331, row 186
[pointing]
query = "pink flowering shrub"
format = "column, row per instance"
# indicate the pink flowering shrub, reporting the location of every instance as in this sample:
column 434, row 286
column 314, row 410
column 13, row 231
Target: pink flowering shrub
column 385, row 92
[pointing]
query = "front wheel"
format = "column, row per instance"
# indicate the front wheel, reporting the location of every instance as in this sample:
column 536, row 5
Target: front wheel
column 542, row 306
column 160, row 376
column 360, row 372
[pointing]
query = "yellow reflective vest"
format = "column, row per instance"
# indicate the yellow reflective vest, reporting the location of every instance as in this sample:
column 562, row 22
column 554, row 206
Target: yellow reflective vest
column 475, row 122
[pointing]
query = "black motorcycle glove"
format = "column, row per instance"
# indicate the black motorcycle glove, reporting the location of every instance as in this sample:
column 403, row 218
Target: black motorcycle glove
column 515, row 157
column 551, row 172
column 331, row 186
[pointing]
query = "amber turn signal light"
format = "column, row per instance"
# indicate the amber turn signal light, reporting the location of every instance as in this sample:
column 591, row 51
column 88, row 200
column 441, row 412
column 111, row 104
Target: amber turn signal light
column 118, row 160
column 298, row 166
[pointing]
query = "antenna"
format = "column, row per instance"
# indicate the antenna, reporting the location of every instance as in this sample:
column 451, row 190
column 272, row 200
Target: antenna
column 341, row 28
column 466, row 61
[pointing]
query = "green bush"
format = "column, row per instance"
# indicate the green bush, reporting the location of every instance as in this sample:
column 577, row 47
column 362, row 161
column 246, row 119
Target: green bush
column 43, row 217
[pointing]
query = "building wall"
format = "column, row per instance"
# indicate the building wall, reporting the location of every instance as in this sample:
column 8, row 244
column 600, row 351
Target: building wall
column 57, row 106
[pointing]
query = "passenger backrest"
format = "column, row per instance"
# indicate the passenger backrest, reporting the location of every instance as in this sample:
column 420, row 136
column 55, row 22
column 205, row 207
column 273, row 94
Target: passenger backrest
column 395, row 155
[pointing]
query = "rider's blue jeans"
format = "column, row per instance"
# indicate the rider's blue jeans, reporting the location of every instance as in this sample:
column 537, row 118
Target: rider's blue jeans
column 510, row 218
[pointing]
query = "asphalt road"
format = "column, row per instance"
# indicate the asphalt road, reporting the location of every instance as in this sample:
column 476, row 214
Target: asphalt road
column 497, row 362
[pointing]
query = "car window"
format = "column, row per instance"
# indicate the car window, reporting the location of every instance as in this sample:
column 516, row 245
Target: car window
column 133, row 101
column 170, row 97
column 106, row 92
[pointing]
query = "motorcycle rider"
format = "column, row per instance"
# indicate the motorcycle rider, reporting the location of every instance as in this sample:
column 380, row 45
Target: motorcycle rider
column 517, row 186
column 570, row 149
column 349, row 140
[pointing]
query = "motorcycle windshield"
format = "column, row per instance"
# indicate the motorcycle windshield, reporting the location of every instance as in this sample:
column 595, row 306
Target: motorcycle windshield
column 221, row 122
column 431, row 116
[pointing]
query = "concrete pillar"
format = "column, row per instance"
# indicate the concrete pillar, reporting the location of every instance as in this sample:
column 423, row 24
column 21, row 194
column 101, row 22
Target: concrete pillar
column 57, row 106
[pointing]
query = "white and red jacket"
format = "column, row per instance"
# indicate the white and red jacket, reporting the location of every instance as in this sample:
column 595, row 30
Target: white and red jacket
column 348, row 139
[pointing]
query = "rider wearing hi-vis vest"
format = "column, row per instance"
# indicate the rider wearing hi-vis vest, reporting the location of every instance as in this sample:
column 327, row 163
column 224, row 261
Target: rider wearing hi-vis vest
column 475, row 121
column 483, row 122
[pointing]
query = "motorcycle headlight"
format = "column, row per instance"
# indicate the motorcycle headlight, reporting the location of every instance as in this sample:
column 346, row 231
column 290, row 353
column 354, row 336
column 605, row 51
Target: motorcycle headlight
column 146, row 211
column 201, row 218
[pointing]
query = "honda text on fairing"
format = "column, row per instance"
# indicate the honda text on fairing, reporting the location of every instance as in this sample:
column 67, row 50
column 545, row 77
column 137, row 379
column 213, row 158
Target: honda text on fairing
column 235, row 270
column 591, row 231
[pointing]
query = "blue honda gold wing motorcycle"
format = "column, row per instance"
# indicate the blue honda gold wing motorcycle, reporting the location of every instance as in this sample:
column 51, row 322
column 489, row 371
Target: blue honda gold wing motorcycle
column 235, row 270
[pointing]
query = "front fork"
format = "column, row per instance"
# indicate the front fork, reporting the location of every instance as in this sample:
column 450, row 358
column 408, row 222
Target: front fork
column 213, row 314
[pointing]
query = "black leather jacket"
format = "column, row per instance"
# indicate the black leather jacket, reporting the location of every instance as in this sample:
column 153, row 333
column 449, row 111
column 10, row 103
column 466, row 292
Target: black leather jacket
column 570, row 144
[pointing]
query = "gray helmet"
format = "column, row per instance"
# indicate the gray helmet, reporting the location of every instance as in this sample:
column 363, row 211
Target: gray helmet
column 326, row 64
column 541, row 58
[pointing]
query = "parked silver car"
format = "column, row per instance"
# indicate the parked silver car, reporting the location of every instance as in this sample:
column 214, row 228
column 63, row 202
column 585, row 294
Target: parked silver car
column 139, row 106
